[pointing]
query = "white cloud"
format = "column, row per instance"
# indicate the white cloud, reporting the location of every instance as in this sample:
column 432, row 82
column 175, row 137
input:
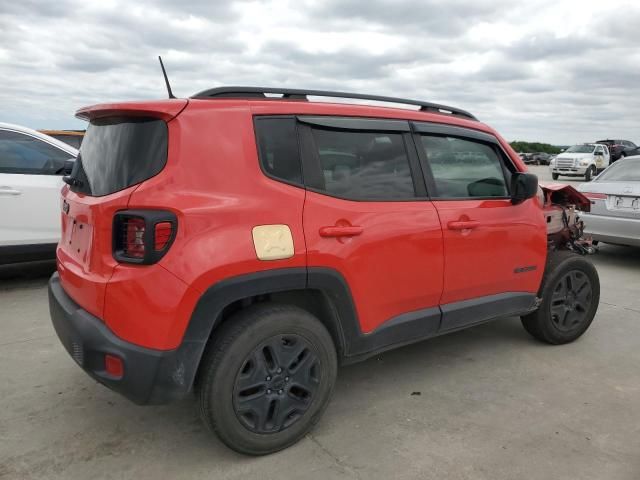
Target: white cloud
column 559, row 71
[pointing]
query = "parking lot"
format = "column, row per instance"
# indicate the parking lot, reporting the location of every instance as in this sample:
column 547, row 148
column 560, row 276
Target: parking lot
column 488, row 403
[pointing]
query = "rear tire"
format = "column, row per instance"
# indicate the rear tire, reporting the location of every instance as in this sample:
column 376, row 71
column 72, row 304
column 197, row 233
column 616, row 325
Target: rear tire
column 267, row 378
column 555, row 176
column 570, row 293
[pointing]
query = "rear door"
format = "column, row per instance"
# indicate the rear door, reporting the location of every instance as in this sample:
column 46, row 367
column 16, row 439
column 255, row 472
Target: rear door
column 494, row 251
column 367, row 216
column 30, row 182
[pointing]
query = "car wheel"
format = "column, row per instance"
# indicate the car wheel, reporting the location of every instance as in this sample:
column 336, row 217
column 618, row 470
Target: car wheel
column 267, row 378
column 591, row 172
column 570, row 294
column 555, row 176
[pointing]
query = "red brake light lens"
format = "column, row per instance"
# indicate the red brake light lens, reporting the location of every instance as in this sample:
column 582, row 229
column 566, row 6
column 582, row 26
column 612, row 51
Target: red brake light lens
column 163, row 233
column 114, row 365
column 134, row 230
column 595, row 196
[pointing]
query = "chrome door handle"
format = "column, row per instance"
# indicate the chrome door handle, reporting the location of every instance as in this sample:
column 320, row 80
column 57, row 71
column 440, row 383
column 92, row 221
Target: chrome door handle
column 9, row 191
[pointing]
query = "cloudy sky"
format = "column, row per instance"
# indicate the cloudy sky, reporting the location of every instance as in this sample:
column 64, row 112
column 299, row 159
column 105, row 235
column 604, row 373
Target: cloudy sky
column 559, row 71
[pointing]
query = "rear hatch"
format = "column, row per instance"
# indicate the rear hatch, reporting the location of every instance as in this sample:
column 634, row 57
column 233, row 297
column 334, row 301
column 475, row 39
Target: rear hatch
column 125, row 144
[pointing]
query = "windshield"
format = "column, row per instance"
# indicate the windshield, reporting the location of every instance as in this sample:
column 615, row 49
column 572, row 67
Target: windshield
column 118, row 152
column 626, row 171
column 580, row 149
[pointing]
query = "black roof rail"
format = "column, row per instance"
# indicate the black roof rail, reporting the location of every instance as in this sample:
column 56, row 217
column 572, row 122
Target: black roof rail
column 298, row 94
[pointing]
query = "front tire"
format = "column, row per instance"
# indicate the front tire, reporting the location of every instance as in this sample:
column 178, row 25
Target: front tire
column 570, row 294
column 555, row 176
column 591, row 172
column 267, row 378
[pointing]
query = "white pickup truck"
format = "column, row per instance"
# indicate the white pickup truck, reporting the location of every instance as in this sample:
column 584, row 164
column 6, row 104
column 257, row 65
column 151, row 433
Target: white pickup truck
column 585, row 160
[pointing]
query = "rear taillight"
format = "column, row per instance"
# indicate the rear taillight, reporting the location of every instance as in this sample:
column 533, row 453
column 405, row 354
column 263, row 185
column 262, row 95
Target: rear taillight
column 595, row 196
column 133, row 229
column 143, row 236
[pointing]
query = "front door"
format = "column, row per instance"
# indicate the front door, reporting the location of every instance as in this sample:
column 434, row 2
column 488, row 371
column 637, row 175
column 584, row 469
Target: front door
column 494, row 251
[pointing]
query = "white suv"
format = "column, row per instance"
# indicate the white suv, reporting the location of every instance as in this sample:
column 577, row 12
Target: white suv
column 585, row 160
column 31, row 169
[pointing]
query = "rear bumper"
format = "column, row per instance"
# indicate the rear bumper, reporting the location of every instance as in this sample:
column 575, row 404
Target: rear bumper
column 619, row 230
column 150, row 376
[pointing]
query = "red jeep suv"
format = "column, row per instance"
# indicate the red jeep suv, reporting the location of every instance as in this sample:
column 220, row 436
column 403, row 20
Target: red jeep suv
column 244, row 242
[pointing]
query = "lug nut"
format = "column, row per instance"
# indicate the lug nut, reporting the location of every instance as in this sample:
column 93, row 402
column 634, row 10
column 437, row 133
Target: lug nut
column 279, row 370
column 268, row 378
column 268, row 390
column 286, row 379
column 280, row 392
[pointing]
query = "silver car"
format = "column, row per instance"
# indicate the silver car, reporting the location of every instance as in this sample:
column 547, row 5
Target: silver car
column 615, row 203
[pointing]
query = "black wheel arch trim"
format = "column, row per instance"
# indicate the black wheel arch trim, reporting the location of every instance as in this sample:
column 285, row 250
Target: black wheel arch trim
column 354, row 344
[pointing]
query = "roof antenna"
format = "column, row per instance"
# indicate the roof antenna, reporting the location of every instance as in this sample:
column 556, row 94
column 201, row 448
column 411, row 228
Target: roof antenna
column 166, row 79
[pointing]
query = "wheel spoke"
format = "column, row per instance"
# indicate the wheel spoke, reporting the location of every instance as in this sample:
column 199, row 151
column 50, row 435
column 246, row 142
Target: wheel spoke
column 253, row 410
column 253, row 373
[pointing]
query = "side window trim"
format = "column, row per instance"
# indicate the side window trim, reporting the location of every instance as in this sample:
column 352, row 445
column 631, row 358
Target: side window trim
column 356, row 123
column 314, row 178
column 423, row 128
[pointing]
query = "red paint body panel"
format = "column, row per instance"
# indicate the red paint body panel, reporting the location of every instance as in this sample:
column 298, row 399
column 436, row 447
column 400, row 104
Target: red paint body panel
column 482, row 260
column 393, row 267
column 85, row 259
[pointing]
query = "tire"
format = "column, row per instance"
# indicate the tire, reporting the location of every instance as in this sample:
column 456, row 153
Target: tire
column 555, row 176
column 252, row 406
column 568, row 306
column 591, row 172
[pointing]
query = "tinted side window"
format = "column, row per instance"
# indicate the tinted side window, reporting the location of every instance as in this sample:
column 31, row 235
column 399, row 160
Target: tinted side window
column 361, row 165
column 278, row 148
column 21, row 153
column 464, row 168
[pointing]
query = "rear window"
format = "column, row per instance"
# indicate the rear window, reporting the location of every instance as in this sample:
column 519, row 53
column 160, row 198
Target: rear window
column 627, row 171
column 118, row 152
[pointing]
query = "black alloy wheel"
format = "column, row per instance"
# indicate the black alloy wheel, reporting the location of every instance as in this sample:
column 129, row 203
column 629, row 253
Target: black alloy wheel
column 276, row 384
column 571, row 301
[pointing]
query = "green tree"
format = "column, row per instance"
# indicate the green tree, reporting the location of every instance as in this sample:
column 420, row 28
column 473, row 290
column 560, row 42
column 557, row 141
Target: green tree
column 534, row 147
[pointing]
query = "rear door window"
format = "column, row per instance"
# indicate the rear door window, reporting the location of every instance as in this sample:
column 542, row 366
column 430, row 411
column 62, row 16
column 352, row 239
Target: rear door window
column 465, row 168
column 20, row 153
column 118, row 152
column 362, row 165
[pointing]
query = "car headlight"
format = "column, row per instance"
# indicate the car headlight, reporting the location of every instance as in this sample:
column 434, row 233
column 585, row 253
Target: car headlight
column 584, row 163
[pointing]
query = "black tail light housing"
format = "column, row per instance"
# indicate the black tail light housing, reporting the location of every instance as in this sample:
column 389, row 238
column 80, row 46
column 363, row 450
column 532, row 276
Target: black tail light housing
column 143, row 236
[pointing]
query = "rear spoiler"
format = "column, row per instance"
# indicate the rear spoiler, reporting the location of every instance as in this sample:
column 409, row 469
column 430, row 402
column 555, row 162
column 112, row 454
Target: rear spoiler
column 164, row 109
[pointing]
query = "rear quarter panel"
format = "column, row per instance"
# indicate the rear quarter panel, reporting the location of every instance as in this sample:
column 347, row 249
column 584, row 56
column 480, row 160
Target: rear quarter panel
column 213, row 183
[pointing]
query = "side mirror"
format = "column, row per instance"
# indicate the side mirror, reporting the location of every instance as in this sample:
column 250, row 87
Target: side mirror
column 523, row 187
